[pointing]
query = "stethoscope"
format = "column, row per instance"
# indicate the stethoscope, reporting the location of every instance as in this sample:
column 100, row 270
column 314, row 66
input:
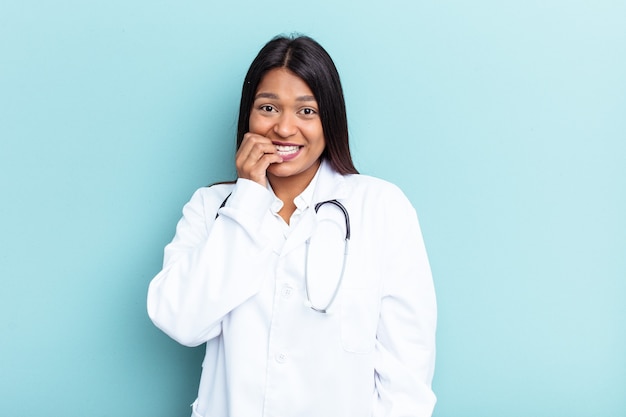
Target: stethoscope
column 308, row 302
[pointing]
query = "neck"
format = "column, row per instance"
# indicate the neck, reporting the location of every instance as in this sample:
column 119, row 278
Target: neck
column 288, row 188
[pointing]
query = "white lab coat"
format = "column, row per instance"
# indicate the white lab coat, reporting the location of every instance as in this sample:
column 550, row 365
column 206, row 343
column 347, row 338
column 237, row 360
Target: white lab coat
column 237, row 283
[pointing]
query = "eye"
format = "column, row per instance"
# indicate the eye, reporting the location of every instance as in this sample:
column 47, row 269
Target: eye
column 267, row 108
column 307, row 111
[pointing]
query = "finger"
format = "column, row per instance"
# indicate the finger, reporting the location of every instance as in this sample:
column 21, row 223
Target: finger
column 254, row 156
column 257, row 172
column 252, row 139
column 255, row 146
column 251, row 155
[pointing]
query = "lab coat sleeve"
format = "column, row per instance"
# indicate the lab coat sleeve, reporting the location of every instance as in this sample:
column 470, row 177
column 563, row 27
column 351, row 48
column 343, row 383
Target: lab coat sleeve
column 405, row 347
column 212, row 265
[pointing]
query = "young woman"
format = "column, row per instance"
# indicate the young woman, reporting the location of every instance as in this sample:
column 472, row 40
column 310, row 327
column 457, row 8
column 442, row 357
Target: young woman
column 308, row 282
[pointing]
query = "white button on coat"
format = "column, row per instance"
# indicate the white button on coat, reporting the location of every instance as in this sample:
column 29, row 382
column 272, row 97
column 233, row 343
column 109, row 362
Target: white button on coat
column 287, row 291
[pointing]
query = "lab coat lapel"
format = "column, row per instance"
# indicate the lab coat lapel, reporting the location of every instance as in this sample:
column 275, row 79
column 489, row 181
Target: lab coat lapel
column 305, row 228
column 274, row 235
column 330, row 185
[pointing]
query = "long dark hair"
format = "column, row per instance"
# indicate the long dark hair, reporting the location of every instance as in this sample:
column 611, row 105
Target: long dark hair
column 308, row 60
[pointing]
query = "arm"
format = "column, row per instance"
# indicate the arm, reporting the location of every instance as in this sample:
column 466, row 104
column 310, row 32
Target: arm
column 212, row 265
column 405, row 347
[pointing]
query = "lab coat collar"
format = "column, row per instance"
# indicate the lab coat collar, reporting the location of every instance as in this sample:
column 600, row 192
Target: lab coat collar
column 330, row 185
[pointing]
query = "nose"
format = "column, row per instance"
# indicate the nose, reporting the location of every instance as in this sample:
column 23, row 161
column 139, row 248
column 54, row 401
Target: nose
column 286, row 125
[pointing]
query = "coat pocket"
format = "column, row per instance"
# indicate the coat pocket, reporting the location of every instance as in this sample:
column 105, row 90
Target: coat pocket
column 359, row 319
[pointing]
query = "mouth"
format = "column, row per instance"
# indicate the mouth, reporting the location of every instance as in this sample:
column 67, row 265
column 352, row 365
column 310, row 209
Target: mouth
column 287, row 150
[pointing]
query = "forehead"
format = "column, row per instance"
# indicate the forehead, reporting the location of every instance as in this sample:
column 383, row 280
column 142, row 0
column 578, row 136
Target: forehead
column 283, row 83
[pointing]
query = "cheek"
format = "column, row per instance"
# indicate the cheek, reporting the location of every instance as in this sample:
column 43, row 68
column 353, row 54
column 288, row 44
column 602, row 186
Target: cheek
column 317, row 134
column 257, row 124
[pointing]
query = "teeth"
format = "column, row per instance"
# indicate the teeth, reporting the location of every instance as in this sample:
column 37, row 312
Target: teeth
column 286, row 150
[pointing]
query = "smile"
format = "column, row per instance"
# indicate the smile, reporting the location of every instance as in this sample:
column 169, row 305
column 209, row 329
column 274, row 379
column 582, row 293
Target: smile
column 287, row 150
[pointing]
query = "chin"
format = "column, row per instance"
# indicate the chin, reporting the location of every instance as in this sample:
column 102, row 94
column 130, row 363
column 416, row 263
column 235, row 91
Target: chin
column 280, row 170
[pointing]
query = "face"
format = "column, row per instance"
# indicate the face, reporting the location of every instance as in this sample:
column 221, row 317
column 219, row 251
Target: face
column 286, row 112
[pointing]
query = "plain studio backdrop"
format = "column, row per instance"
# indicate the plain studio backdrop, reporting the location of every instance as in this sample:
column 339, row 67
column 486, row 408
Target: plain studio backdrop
column 504, row 122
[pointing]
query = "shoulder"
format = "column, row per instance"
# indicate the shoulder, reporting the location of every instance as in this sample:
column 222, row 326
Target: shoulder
column 380, row 208
column 376, row 189
column 380, row 201
column 213, row 192
column 207, row 200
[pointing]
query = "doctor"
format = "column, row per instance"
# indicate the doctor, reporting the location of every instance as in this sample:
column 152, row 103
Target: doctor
column 306, row 311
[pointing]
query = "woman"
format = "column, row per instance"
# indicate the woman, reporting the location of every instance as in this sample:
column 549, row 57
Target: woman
column 293, row 327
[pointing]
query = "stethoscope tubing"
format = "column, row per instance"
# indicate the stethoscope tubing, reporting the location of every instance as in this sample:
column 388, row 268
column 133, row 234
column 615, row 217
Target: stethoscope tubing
column 343, row 264
column 346, row 216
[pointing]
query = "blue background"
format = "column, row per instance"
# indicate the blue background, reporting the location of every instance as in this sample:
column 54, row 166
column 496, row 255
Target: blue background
column 504, row 122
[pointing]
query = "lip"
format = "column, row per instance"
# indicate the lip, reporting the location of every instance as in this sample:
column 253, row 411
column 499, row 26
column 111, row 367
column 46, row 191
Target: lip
column 284, row 143
column 288, row 151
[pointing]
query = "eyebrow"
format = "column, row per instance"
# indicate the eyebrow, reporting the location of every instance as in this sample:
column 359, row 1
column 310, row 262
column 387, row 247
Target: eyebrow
column 273, row 96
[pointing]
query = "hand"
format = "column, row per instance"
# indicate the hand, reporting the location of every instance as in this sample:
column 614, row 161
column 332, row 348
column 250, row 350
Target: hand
column 254, row 156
